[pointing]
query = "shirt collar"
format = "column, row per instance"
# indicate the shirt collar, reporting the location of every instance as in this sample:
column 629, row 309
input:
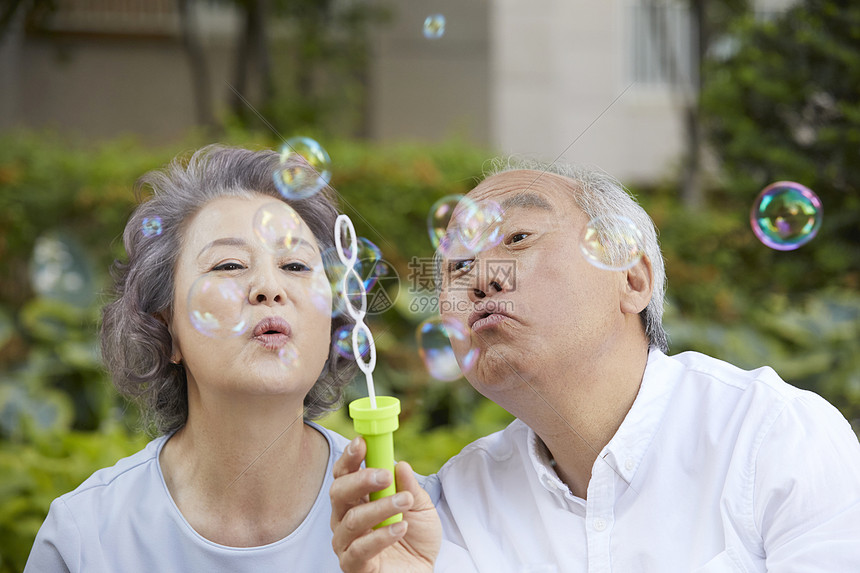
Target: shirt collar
column 628, row 446
column 543, row 465
column 625, row 450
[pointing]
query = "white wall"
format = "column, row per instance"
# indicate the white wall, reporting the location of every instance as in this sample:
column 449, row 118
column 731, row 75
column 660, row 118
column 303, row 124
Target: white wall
column 432, row 89
column 557, row 65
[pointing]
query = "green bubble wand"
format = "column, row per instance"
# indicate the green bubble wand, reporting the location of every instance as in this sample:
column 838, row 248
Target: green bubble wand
column 375, row 418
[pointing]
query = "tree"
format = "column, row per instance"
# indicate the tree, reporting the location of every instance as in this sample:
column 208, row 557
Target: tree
column 784, row 105
column 318, row 78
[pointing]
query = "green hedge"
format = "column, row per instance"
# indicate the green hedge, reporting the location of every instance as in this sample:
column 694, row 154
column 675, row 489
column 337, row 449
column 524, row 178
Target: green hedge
column 60, row 420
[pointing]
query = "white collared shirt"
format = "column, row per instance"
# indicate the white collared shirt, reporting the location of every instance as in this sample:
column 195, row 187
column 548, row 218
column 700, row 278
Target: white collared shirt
column 713, row 469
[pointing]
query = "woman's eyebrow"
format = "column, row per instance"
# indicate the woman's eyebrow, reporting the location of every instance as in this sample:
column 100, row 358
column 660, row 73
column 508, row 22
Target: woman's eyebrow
column 297, row 242
column 226, row 241
column 526, row 200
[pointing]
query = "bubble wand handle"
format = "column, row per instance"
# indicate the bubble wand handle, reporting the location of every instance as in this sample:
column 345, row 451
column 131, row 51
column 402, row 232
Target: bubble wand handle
column 375, row 418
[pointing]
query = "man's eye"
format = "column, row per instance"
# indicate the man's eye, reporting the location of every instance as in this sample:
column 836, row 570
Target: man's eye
column 463, row 266
column 296, row 267
column 517, row 237
column 228, row 267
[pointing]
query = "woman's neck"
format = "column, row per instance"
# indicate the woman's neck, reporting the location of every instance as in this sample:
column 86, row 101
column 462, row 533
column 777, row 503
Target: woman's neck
column 244, row 473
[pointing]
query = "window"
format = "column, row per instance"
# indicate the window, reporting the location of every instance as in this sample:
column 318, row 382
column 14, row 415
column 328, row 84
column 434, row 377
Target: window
column 662, row 44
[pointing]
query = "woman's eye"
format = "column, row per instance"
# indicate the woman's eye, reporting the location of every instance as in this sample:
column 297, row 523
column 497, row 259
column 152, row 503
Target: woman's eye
column 517, row 237
column 228, row 267
column 296, row 267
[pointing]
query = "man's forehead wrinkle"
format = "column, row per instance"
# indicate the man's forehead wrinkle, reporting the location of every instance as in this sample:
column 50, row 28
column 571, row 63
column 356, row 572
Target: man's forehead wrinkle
column 526, row 199
column 523, row 180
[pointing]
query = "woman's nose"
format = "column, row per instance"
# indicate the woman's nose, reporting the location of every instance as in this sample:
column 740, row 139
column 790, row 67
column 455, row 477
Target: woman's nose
column 266, row 289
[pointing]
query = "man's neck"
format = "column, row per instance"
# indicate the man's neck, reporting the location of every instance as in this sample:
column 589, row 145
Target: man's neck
column 577, row 418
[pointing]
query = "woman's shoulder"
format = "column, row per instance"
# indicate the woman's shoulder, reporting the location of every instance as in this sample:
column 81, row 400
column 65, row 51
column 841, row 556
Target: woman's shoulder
column 128, row 476
column 336, row 442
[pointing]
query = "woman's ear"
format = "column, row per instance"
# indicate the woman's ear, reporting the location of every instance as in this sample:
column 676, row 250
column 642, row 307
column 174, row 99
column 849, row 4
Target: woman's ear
column 175, row 352
column 638, row 287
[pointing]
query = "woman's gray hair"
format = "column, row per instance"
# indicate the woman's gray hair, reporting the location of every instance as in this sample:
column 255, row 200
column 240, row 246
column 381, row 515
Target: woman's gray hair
column 135, row 341
column 599, row 194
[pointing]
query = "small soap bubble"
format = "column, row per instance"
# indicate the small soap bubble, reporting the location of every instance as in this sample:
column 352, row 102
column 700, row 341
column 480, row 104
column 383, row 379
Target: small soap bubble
column 216, row 307
column 288, row 358
column 305, row 168
column 612, row 243
column 786, row 215
column 439, row 217
column 277, row 226
column 336, row 270
column 457, row 224
column 343, row 342
column 151, row 226
column 434, row 26
column 435, row 337
column 369, row 268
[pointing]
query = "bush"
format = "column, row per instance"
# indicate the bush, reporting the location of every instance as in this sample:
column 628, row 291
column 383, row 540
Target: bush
column 60, row 420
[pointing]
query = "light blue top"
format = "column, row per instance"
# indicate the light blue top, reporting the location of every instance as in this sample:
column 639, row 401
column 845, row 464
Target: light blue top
column 122, row 518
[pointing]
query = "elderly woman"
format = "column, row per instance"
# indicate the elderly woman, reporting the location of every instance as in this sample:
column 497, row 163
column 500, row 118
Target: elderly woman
column 239, row 478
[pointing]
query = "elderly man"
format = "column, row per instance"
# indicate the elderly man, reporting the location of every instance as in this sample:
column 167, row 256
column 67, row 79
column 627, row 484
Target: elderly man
column 622, row 458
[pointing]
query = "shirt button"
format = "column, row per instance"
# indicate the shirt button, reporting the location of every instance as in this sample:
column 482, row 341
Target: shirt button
column 599, row 524
column 629, row 464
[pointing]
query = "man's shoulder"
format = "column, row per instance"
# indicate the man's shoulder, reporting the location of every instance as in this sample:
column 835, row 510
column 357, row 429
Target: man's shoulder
column 713, row 374
column 492, row 450
column 486, row 458
column 751, row 398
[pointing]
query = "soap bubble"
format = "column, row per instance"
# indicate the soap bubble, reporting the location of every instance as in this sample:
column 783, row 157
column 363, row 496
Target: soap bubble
column 786, row 215
column 369, row 263
column 305, row 168
column 320, row 290
column 612, row 243
column 478, row 226
column 434, row 26
column 151, row 226
column 216, row 307
column 475, row 226
column 369, row 268
column 343, row 342
column 59, row 269
column 435, row 337
column 277, row 225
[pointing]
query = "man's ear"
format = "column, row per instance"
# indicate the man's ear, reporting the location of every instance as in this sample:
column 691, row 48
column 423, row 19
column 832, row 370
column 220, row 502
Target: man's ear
column 637, row 289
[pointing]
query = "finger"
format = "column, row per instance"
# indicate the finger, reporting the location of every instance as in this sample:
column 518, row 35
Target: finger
column 360, row 520
column 363, row 550
column 406, row 481
column 351, row 458
column 354, row 489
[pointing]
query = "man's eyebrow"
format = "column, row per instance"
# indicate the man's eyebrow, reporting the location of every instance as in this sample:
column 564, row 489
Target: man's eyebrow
column 526, row 200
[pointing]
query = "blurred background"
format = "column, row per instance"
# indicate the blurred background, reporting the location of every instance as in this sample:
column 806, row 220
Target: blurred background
column 696, row 105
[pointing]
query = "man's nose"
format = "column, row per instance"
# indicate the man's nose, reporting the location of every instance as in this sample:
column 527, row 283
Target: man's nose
column 490, row 279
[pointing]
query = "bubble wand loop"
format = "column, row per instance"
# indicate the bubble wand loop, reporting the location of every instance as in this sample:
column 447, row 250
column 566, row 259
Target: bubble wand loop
column 374, row 418
column 345, row 223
